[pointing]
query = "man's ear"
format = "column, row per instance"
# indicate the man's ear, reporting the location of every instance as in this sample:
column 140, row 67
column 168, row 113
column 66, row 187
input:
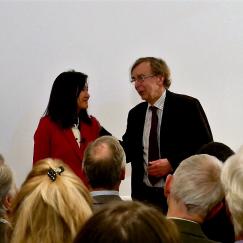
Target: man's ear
column 167, row 186
column 123, row 173
column 161, row 79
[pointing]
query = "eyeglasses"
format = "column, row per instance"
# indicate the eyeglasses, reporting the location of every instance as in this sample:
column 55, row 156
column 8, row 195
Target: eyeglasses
column 141, row 78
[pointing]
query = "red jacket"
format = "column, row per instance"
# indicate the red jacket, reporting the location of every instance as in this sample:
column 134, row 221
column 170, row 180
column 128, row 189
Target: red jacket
column 50, row 140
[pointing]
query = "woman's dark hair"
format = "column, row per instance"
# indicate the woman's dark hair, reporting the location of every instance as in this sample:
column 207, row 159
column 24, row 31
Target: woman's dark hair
column 62, row 106
column 128, row 222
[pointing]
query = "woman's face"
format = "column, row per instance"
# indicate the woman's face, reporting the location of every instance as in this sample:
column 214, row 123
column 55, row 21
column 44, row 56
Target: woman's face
column 83, row 98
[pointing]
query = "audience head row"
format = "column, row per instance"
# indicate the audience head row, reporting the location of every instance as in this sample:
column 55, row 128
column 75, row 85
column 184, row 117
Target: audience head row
column 51, row 191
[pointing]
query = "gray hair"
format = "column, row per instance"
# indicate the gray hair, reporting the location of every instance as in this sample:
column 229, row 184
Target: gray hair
column 232, row 180
column 197, row 184
column 1, row 159
column 103, row 162
column 6, row 184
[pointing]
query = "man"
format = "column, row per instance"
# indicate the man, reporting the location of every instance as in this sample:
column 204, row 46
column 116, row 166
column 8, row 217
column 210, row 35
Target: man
column 219, row 227
column 182, row 128
column 194, row 192
column 232, row 178
column 104, row 167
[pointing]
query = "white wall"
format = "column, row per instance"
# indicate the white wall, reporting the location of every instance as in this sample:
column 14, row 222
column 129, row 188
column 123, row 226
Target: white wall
column 202, row 41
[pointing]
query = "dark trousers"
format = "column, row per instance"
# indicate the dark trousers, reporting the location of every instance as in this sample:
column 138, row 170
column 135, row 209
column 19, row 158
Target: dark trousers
column 154, row 196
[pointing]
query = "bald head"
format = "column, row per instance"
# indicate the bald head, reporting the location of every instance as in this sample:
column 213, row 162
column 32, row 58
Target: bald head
column 104, row 162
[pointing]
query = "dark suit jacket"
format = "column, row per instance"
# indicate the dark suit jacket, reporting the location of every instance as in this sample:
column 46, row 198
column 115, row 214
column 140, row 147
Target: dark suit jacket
column 184, row 129
column 191, row 232
column 50, row 140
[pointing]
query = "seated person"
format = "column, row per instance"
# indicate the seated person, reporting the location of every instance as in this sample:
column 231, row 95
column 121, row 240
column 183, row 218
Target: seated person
column 1, row 159
column 128, row 222
column 51, row 206
column 232, row 179
column 7, row 193
column 219, row 227
column 193, row 192
column 104, row 167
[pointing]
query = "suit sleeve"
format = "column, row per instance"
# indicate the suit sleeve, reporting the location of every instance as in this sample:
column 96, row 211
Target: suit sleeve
column 125, row 138
column 194, row 132
column 42, row 142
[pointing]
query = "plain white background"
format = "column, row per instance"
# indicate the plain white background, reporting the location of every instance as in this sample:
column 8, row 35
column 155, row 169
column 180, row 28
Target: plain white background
column 202, row 42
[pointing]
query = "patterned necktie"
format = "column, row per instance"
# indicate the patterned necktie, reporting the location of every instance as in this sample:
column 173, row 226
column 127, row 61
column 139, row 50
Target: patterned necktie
column 153, row 151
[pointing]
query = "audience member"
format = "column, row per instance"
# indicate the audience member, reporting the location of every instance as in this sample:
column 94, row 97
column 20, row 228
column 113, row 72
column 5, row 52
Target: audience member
column 104, row 167
column 66, row 128
column 162, row 131
column 51, row 206
column 232, row 180
column 6, row 196
column 128, row 222
column 1, row 159
column 193, row 192
column 217, row 149
column 219, row 227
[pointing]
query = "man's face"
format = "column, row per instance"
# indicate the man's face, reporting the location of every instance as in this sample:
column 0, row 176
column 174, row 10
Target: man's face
column 149, row 87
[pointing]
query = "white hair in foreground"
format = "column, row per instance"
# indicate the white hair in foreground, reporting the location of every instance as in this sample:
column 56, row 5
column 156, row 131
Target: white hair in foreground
column 232, row 180
column 197, row 183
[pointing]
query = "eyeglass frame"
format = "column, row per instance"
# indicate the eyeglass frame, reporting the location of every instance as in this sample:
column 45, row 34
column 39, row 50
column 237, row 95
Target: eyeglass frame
column 142, row 78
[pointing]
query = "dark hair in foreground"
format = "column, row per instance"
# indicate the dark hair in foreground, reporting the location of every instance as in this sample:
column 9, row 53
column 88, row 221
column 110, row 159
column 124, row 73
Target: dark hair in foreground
column 128, row 222
column 220, row 150
column 62, row 106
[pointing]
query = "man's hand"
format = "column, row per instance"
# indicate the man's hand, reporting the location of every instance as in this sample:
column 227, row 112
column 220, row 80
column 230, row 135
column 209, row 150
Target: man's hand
column 159, row 167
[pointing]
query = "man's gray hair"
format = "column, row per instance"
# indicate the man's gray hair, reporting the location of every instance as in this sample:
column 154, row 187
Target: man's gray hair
column 232, row 180
column 1, row 159
column 6, row 184
column 196, row 183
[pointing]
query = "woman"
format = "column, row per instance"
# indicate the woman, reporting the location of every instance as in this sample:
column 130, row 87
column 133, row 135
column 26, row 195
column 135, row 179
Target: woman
column 66, row 128
column 51, row 205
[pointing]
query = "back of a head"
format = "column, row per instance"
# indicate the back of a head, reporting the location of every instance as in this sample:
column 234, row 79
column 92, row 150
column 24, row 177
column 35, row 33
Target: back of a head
column 217, row 149
column 128, row 222
column 232, row 180
column 6, row 183
column 51, row 206
column 1, row 159
column 103, row 162
column 196, row 183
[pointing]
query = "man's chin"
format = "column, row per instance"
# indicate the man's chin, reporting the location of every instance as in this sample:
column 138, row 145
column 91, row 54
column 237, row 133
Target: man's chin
column 143, row 97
